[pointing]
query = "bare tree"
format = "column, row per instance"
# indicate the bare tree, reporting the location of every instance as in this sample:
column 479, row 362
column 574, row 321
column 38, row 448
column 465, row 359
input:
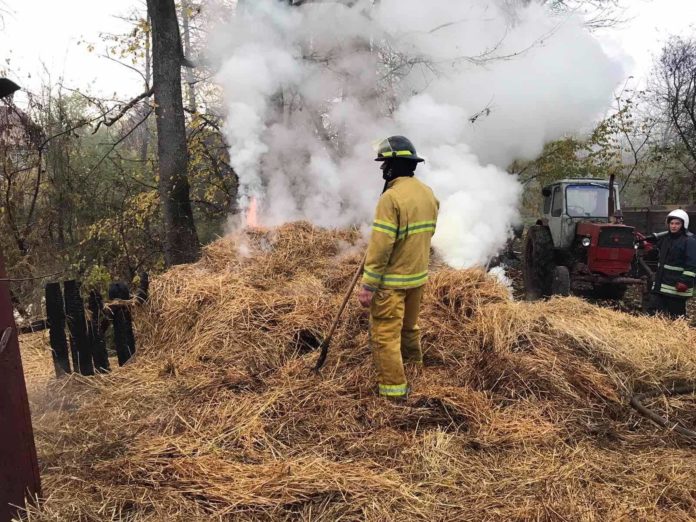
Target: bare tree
column 181, row 238
column 676, row 89
column 598, row 14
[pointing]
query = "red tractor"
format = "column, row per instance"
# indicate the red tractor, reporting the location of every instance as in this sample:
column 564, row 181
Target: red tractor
column 582, row 241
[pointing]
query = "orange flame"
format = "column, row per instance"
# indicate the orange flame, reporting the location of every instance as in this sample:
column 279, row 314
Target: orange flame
column 251, row 214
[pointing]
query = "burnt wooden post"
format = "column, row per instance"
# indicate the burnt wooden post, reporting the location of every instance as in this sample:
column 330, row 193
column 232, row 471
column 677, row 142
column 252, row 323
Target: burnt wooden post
column 95, row 306
column 73, row 353
column 19, row 470
column 75, row 313
column 55, row 316
column 123, row 323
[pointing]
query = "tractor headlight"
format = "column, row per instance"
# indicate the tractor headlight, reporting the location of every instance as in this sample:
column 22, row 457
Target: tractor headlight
column 586, row 241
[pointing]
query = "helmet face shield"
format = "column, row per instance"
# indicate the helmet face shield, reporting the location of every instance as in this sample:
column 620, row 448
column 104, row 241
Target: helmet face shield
column 383, row 149
column 396, row 147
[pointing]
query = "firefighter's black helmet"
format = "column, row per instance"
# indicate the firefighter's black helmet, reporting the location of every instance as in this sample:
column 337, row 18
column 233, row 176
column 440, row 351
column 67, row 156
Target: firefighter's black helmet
column 396, row 147
column 7, row 87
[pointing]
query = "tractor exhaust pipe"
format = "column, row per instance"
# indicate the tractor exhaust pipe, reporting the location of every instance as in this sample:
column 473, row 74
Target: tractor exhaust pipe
column 611, row 206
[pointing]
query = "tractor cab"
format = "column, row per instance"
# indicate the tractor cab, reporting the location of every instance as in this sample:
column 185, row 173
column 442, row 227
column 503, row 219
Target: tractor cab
column 571, row 201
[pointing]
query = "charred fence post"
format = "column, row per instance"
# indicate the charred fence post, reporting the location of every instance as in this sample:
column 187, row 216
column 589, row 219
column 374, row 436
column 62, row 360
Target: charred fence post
column 73, row 352
column 124, row 339
column 75, row 312
column 95, row 306
column 55, row 315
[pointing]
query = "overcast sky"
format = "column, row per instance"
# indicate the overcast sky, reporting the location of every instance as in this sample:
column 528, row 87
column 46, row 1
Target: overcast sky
column 40, row 37
column 648, row 24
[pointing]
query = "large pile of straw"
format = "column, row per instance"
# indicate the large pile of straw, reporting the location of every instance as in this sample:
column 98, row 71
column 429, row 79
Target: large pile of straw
column 519, row 413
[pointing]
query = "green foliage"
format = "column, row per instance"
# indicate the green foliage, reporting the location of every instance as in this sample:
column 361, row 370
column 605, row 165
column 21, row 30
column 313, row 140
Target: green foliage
column 622, row 144
column 97, row 277
column 82, row 198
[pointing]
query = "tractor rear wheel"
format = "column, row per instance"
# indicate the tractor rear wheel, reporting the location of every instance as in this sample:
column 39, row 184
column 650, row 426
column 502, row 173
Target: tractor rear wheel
column 561, row 281
column 538, row 267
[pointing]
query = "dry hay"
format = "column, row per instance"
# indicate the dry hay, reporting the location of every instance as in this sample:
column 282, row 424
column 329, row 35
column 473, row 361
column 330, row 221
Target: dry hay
column 519, row 413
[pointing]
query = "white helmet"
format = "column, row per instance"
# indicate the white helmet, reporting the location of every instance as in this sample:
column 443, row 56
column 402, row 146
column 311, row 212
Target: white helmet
column 679, row 214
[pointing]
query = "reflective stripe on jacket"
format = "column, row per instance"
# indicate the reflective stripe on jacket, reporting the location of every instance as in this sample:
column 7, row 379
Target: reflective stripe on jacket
column 677, row 264
column 399, row 248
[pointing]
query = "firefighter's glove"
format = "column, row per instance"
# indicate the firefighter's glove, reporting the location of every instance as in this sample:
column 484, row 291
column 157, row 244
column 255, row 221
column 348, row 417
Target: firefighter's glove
column 365, row 296
column 681, row 287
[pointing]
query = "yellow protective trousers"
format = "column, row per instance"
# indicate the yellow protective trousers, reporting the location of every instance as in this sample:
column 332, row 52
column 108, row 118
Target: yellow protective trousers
column 395, row 336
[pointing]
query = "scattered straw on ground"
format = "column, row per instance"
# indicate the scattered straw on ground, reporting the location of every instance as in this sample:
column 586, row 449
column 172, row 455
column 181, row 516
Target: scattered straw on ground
column 520, row 412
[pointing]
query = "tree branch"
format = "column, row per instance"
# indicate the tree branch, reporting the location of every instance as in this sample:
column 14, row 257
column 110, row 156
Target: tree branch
column 121, row 139
column 15, row 280
column 125, row 109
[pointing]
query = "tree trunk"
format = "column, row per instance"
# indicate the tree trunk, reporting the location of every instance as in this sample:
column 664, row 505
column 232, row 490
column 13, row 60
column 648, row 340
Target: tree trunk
column 181, row 240
column 145, row 144
column 190, row 80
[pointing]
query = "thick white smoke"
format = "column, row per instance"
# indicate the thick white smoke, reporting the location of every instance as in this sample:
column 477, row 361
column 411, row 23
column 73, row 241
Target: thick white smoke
column 475, row 85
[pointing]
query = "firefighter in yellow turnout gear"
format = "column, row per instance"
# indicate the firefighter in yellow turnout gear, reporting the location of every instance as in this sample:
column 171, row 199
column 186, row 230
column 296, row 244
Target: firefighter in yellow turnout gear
column 396, row 266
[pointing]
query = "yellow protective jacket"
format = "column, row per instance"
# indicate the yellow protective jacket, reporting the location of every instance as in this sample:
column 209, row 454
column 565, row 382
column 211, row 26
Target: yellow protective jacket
column 399, row 248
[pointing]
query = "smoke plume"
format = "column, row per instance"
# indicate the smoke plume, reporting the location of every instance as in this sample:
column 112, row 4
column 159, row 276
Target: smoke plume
column 475, row 85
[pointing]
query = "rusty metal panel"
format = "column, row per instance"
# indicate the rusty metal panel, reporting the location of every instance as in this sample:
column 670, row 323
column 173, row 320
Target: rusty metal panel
column 19, row 471
column 652, row 219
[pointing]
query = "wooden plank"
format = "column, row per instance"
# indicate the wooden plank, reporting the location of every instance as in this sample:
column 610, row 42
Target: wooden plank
column 56, row 323
column 75, row 315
